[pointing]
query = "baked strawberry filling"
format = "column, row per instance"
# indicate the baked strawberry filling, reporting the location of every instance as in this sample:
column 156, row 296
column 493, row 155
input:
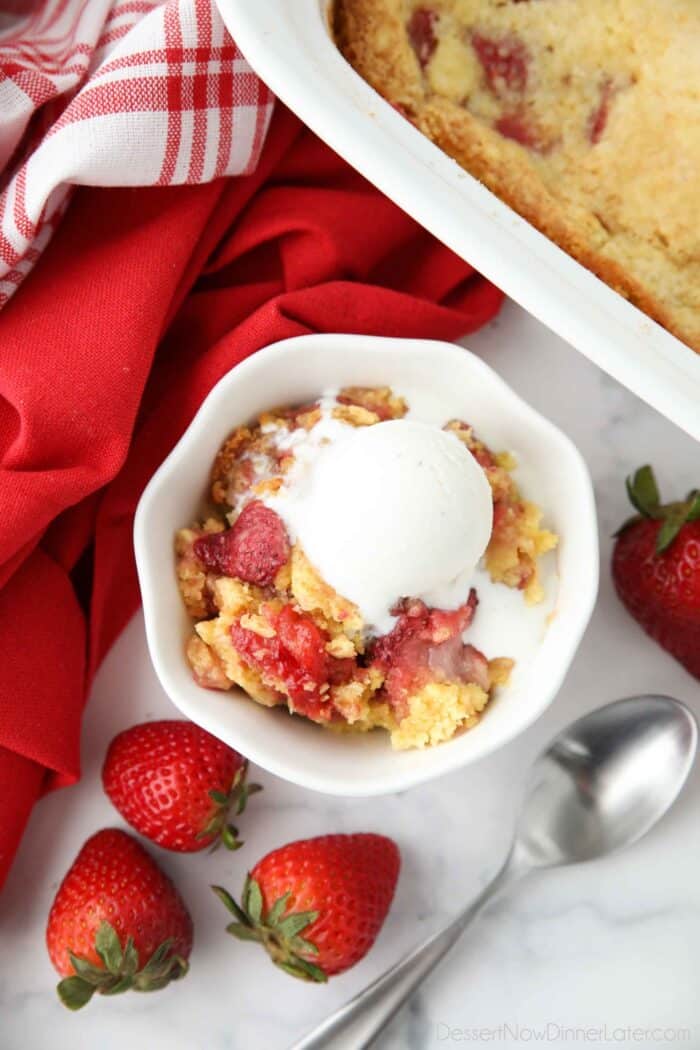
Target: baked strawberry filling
column 293, row 659
column 599, row 116
column 254, row 549
column 505, row 62
column 519, row 128
column 426, row 644
column 508, row 77
column 421, row 32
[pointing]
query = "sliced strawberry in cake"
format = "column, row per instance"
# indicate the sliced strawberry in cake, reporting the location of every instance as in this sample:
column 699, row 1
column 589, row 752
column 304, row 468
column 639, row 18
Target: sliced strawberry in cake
column 288, row 649
column 505, row 61
column 434, row 682
column 254, row 549
column 426, row 645
column 421, row 33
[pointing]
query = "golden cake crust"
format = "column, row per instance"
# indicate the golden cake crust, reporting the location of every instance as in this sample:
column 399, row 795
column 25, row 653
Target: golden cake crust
column 635, row 225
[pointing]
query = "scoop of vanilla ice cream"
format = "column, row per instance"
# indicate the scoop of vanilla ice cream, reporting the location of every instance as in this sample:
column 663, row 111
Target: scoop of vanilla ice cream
column 397, row 509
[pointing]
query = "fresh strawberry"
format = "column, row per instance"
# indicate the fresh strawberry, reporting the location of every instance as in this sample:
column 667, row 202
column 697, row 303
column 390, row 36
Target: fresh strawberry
column 656, row 568
column 117, row 922
column 177, row 784
column 317, row 905
column 253, row 549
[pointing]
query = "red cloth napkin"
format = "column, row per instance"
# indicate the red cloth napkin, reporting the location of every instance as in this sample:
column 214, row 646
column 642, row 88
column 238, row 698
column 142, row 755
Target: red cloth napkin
column 141, row 302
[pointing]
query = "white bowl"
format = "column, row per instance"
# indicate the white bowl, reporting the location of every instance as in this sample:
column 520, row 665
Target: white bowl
column 288, row 43
column 295, row 371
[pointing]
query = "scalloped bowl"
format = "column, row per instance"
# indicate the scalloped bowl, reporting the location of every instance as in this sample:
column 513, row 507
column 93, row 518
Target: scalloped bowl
column 297, row 370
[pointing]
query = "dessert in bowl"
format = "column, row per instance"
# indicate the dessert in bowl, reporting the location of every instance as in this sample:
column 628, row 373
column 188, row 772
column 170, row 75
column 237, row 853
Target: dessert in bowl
column 367, row 557
column 337, row 576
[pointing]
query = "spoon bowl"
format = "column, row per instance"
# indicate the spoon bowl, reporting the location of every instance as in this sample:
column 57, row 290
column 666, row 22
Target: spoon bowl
column 606, row 780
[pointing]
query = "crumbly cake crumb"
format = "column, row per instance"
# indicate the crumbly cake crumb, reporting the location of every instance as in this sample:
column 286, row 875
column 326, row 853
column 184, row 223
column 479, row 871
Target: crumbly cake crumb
column 437, row 711
column 336, row 614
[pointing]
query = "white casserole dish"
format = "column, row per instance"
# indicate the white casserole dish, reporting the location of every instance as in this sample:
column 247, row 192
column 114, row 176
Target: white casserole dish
column 288, row 43
column 295, row 371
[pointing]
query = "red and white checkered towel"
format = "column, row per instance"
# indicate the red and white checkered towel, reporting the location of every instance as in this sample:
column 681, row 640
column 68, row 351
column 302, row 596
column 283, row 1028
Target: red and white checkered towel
column 114, row 93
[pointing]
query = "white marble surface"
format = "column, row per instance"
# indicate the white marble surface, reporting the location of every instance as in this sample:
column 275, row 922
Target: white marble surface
column 615, row 943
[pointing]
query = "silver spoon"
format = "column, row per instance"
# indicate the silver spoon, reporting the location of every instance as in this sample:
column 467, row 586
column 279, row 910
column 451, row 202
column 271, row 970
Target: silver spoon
column 599, row 786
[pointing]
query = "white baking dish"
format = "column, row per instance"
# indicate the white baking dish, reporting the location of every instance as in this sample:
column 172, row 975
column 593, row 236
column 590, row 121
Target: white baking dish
column 551, row 471
column 288, row 43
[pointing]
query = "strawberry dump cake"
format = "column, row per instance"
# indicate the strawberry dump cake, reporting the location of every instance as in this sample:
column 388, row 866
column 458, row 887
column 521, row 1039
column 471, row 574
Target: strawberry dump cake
column 584, row 116
column 341, row 571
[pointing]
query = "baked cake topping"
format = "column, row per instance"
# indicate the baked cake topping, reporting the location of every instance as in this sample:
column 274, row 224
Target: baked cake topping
column 584, row 116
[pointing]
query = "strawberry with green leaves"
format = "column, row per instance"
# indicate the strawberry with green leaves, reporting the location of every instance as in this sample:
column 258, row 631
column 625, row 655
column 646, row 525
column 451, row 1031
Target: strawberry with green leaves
column 117, row 923
column 177, row 785
column 317, row 905
column 656, row 567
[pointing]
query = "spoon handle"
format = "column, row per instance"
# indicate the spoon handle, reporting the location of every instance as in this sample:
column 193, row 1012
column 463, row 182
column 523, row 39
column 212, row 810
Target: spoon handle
column 357, row 1024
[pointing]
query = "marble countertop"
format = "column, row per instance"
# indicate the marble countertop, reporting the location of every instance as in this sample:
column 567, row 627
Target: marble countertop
column 585, row 956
